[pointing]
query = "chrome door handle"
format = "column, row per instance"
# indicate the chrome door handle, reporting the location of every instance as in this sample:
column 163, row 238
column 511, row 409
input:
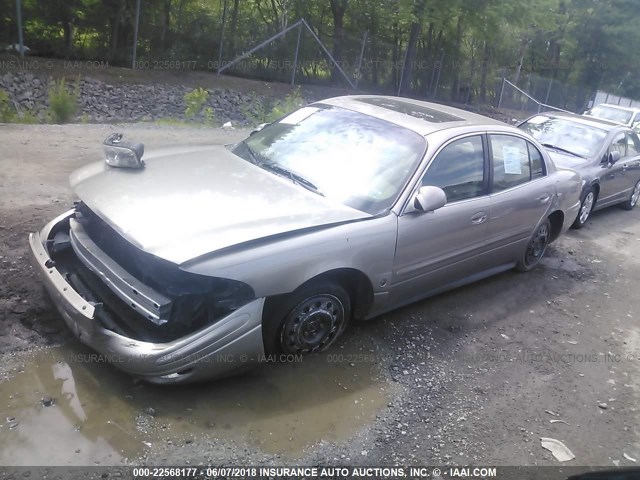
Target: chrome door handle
column 544, row 198
column 479, row 218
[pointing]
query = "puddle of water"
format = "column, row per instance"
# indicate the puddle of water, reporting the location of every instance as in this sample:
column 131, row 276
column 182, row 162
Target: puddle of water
column 101, row 415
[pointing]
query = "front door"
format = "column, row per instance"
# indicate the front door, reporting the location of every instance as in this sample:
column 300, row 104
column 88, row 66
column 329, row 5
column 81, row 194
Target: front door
column 439, row 248
column 613, row 180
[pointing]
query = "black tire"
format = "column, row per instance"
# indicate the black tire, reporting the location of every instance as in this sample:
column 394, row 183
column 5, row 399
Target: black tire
column 586, row 207
column 633, row 198
column 536, row 247
column 309, row 320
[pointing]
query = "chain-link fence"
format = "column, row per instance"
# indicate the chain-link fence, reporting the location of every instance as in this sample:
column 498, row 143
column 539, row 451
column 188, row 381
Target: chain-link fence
column 536, row 94
column 259, row 41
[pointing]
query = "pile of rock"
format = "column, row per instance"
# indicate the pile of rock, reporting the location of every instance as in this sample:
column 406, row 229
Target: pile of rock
column 102, row 102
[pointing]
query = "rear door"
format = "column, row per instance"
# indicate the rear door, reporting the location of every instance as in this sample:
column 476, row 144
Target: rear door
column 440, row 248
column 613, row 184
column 631, row 163
column 521, row 195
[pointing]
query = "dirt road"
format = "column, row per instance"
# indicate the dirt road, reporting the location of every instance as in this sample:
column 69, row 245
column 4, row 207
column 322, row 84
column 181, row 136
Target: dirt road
column 475, row 376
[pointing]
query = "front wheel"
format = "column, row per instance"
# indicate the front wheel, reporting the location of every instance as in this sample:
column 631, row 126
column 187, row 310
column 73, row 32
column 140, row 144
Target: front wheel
column 633, row 199
column 588, row 201
column 309, row 321
column 536, row 247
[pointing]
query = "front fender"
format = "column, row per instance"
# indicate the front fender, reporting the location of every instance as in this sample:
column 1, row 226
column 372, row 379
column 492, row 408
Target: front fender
column 280, row 265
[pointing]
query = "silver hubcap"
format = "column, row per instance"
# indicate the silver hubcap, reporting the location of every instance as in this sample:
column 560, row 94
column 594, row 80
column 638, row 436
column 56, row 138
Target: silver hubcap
column 587, row 205
column 635, row 195
column 313, row 325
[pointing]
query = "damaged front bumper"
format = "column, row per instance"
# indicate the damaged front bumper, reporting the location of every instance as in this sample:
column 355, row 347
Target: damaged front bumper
column 231, row 344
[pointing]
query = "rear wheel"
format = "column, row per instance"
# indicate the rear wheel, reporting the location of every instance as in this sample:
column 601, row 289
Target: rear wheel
column 536, row 247
column 309, row 321
column 633, row 199
column 588, row 202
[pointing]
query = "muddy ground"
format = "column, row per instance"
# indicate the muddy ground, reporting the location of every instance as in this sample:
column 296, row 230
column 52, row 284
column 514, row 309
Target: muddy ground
column 475, row 376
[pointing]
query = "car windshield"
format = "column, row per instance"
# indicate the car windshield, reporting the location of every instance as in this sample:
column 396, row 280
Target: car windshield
column 356, row 159
column 567, row 136
column 611, row 113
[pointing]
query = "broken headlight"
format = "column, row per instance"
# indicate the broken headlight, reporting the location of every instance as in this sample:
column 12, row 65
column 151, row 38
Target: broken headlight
column 119, row 153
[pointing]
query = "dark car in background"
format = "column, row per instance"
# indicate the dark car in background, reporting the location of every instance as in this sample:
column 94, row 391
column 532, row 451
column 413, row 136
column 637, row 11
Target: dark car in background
column 605, row 154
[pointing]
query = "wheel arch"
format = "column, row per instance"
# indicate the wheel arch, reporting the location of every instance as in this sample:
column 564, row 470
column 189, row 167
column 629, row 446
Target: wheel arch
column 557, row 221
column 354, row 281
column 595, row 185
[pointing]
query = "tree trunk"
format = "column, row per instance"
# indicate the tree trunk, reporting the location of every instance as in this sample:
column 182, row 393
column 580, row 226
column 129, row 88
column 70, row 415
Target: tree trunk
column 338, row 8
column 67, row 28
column 455, row 86
column 166, row 26
column 410, row 56
column 64, row 11
column 115, row 32
column 412, row 43
column 483, row 72
column 234, row 26
column 523, row 51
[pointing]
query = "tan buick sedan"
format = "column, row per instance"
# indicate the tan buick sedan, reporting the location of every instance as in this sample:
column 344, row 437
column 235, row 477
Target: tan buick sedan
column 196, row 263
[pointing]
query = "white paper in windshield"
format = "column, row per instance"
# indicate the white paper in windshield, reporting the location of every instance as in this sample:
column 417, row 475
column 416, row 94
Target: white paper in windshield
column 299, row 115
column 511, row 159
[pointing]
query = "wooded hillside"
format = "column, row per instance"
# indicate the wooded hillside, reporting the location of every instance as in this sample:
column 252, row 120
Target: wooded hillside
column 449, row 49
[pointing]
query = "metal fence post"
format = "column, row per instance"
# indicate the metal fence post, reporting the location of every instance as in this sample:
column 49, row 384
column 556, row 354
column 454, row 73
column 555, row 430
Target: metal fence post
column 19, row 21
column 295, row 57
column 359, row 71
column 135, row 35
column 327, row 52
column 546, row 99
column 404, row 65
column 258, row 47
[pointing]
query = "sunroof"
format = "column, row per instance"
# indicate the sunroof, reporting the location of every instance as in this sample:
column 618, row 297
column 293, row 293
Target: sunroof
column 424, row 113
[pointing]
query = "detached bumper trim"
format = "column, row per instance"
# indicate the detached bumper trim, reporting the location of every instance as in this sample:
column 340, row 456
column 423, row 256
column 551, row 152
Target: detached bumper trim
column 231, row 344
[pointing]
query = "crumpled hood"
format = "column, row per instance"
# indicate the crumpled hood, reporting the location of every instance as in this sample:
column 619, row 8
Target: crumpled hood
column 189, row 202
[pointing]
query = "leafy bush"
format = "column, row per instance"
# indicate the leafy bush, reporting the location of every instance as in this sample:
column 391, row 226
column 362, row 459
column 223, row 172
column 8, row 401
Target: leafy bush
column 7, row 111
column 257, row 112
column 63, row 104
column 27, row 117
column 9, row 114
column 291, row 102
column 195, row 101
column 209, row 116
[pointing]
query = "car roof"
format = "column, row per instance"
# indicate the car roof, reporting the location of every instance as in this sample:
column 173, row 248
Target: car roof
column 617, row 107
column 421, row 117
column 587, row 120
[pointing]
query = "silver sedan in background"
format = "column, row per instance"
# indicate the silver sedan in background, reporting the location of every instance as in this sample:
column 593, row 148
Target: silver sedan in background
column 195, row 263
column 605, row 154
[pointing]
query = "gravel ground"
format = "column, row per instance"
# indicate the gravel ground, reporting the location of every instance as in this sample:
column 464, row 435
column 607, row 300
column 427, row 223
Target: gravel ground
column 474, row 376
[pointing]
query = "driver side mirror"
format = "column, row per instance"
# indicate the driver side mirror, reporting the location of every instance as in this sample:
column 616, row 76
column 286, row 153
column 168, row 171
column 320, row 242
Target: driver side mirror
column 614, row 157
column 429, row 199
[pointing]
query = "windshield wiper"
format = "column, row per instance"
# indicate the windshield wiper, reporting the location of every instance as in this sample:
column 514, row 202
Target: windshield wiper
column 294, row 177
column 253, row 156
column 563, row 150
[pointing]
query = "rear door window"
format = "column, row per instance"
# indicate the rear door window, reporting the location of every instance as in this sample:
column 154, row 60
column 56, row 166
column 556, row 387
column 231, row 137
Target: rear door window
column 511, row 166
